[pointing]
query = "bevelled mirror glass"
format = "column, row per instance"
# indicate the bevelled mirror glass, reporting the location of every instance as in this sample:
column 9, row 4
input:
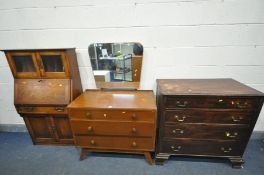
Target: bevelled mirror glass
column 116, row 65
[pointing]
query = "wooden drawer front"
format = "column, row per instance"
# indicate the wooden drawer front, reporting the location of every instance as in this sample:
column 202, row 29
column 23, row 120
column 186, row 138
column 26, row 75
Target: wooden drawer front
column 113, row 115
column 202, row 116
column 210, row 102
column 207, row 131
column 202, row 147
column 144, row 129
column 121, row 143
column 41, row 110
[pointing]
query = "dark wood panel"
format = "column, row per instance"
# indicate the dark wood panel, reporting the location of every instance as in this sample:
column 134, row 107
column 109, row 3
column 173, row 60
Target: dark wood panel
column 119, row 143
column 201, row 147
column 207, row 131
column 118, row 115
column 63, row 128
column 208, row 116
column 211, row 102
column 118, row 128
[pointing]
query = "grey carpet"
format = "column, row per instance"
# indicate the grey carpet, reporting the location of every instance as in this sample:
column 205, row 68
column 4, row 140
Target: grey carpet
column 19, row 157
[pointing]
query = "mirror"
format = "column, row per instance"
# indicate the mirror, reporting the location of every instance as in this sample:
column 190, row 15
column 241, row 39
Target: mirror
column 116, row 65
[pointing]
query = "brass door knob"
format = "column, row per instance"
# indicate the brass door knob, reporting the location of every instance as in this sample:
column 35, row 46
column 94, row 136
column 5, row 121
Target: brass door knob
column 90, row 128
column 88, row 115
column 134, row 144
column 92, row 142
column 134, row 130
column 134, row 116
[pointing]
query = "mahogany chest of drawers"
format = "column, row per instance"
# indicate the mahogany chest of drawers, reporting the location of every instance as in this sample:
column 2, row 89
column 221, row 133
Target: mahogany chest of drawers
column 205, row 117
column 114, row 121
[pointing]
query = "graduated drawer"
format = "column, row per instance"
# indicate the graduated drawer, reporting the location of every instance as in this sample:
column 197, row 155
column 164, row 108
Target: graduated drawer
column 206, row 116
column 210, row 102
column 120, row 115
column 202, row 147
column 145, row 129
column 41, row 110
column 119, row 143
column 207, row 131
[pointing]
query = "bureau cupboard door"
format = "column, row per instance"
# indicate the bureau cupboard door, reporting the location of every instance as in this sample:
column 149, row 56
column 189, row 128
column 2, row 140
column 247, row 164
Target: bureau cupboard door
column 63, row 132
column 39, row 129
column 53, row 64
column 23, row 64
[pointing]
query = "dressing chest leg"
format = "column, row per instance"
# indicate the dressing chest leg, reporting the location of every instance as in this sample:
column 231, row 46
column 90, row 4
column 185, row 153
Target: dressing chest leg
column 161, row 158
column 83, row 154
column 236, row 162
column 148, row 157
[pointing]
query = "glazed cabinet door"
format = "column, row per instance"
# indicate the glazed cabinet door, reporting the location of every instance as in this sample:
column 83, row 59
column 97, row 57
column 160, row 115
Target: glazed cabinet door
column 23, row 64
column 54, row 64
column 63, row 129
column 39, row 129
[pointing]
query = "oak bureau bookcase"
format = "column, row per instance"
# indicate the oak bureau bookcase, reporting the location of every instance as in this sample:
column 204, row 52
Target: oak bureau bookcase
column 117, row 117
column 46, row 81
column 205, row 117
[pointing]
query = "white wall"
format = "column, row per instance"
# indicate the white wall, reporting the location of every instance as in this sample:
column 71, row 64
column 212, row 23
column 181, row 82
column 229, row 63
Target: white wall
column 182, row 38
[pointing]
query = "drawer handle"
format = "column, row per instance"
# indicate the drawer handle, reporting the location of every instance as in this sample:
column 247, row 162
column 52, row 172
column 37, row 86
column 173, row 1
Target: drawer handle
column 105, row 115
column 134, row 130
column 181, row 104
column 226, row 150
column 242, row 106
column 179, row 119
column 90, row 128
column 134, row 144
column 92, row 142
column 237, row 119
column 134, row 116
column 88, row 115
column 228, row 134
column 179, row 131
column 177, row 148
column 59, row 109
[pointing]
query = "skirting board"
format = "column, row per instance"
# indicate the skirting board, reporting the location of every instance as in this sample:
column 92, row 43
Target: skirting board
column 22, row 128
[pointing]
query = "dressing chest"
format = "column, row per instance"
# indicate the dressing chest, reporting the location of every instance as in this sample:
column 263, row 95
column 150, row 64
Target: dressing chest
column 46, row 81
column 114, row 121
column 205, row 117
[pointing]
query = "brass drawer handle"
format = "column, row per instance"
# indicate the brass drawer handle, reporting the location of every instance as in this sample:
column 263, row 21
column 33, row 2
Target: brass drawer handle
column 179, row 131
column 134, row 130
column 177, row 148
column 88, row 115
column 134, row 144
column 238, row 119
column 105, row 115
column 226, row 150
column 134, row 116
column 228, row 134
column 181, row 104
column 59, row 109
column 179, row 119
column 92, row 142
column 242, row 106
column 90, row 128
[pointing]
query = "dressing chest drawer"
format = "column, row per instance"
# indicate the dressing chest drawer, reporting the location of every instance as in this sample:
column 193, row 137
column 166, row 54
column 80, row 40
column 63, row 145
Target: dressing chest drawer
column 124, row 121
column 205, row 117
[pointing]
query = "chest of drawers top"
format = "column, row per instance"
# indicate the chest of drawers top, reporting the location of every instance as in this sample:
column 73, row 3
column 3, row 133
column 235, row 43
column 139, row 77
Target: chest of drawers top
column 215, row 87
column 124, row 100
